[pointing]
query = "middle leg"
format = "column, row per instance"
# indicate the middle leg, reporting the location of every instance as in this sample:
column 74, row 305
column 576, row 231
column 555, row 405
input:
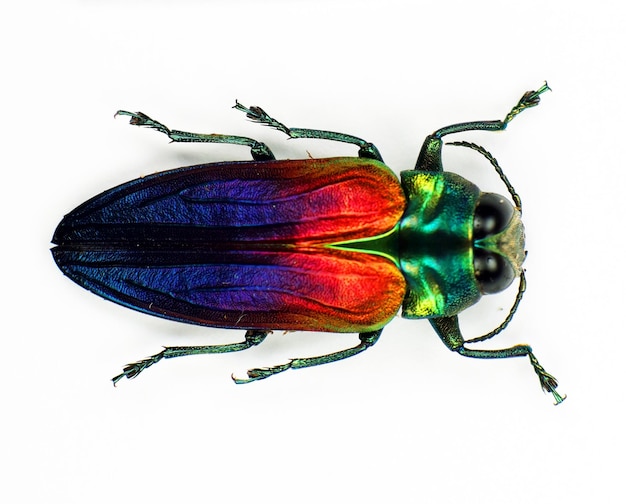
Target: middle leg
column 257, row 114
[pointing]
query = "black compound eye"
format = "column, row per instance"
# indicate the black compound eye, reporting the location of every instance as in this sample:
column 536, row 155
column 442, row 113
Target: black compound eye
column 492, row 215
column 493, row 272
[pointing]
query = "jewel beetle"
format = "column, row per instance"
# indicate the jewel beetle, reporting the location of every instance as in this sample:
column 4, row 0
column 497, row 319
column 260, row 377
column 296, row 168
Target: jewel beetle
column 338, row 244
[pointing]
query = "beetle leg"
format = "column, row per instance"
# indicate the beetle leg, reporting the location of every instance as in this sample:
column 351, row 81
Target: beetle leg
column 367, row 340
column 448, row 330
column 429, row 158
column 259, row 151
column 257, row 114
column 253, row 338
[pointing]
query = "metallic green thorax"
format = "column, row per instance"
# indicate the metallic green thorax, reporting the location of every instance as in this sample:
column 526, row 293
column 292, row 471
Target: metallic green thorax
column 436, row 244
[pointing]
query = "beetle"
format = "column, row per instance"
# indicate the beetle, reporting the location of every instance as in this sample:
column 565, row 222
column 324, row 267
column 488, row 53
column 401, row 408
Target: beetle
column 337, row 244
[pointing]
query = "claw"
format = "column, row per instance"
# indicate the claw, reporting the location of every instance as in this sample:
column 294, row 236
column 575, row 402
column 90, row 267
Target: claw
column 257, row 374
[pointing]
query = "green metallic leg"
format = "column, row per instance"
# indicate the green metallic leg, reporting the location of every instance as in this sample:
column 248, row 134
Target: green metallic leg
column 260, row 151
column 367, row 340
column 429, row 158
column 448, row 330
column 257, row 114
column 253, row 338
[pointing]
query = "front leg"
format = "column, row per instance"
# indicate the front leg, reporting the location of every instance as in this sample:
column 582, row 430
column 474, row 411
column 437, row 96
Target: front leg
column 429, row 158
column 448, row 330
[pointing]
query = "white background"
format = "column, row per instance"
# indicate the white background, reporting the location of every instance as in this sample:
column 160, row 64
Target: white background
column 408, row 421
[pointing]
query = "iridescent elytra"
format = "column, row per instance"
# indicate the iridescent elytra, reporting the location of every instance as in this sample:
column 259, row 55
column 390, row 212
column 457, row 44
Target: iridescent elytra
column 337, row 244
